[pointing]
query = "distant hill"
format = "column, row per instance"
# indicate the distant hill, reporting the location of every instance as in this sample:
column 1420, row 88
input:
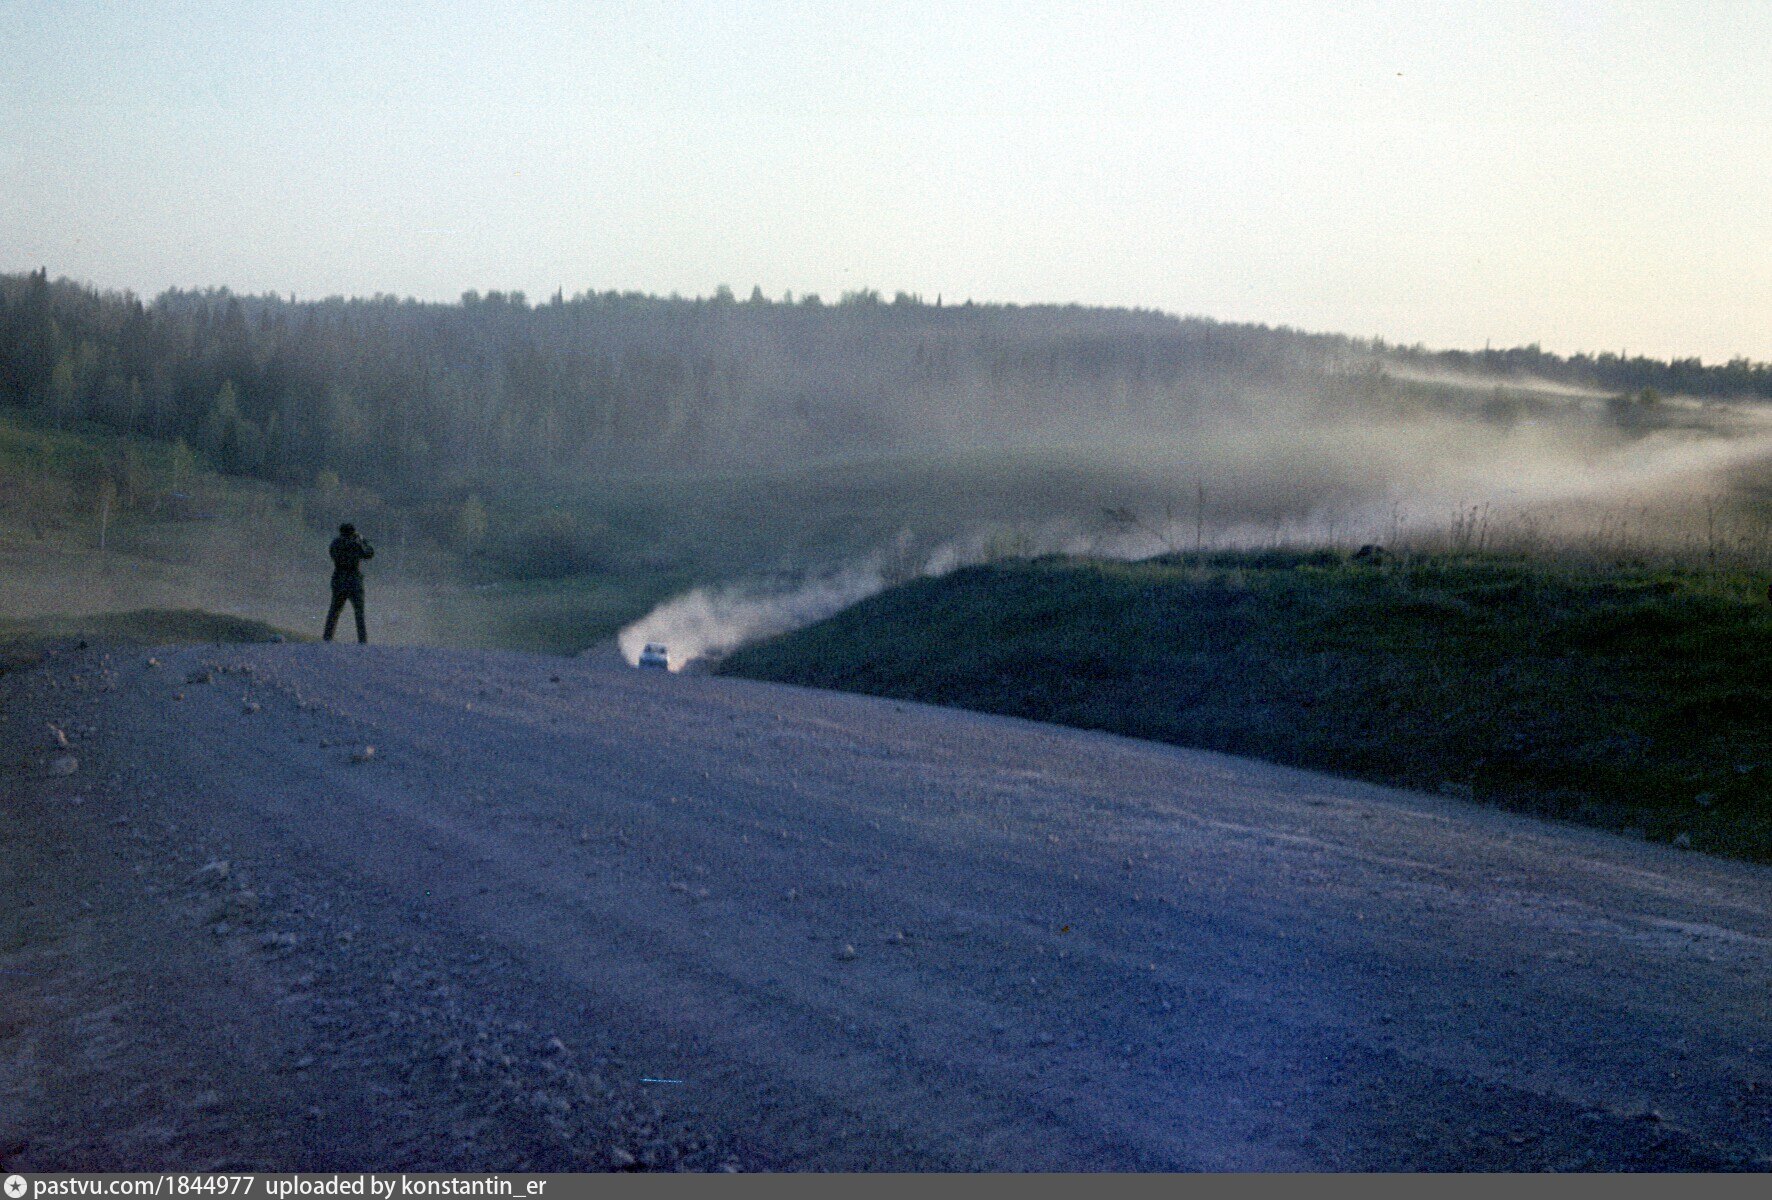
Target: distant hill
column 392, row 392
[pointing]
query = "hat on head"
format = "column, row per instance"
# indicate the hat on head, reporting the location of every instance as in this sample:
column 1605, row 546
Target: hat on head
column 347, row 529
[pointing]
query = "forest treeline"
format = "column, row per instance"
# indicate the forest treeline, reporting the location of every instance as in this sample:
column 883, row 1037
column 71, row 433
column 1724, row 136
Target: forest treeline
column 399, row 393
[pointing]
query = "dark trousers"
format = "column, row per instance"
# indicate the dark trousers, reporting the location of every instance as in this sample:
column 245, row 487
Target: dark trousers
column 338, row 604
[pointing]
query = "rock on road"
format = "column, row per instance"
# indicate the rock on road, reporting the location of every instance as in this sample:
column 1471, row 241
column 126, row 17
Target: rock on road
column 860, row 934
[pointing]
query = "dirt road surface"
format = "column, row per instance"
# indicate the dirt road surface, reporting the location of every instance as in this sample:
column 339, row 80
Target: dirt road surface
column 853, row 933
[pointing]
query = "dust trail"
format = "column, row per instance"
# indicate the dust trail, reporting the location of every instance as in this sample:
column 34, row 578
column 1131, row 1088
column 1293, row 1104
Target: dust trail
column 710, row 622
column 1438, row 471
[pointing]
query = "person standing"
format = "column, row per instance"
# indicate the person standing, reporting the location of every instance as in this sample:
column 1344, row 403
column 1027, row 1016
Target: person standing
column 349, row 552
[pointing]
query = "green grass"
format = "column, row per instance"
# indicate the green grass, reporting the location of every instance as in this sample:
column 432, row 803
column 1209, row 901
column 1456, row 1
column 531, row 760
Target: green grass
column 1625, row 697
column 146, row 626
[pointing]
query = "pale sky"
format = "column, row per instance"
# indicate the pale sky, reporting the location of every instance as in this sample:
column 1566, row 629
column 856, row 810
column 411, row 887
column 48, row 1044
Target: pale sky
column 1587, row 176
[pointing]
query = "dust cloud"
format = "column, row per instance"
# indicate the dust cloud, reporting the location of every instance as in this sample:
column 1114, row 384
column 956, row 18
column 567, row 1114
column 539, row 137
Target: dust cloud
column 710, row 622
column 1568, row 477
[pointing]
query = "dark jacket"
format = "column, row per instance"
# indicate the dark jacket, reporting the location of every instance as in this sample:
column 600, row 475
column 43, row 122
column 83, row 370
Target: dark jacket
column 348, row 554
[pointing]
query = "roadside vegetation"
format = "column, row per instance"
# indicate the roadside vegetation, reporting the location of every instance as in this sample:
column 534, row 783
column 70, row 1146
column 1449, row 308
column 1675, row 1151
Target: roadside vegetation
column 1629, row 696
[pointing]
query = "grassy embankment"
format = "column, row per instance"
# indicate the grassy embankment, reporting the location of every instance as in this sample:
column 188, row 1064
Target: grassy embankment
column 1630, row 697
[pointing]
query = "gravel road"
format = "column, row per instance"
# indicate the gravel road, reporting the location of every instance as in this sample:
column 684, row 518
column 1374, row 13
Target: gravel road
column 854, row 933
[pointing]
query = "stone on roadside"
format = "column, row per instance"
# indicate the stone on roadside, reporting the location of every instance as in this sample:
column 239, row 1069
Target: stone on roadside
column 251, row 706
column 363, row 755
column 846, row 954
column 239, row 909
column 214, row 871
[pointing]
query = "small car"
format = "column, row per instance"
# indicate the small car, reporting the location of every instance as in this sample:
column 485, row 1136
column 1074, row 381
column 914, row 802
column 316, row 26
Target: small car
column 655, row 655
